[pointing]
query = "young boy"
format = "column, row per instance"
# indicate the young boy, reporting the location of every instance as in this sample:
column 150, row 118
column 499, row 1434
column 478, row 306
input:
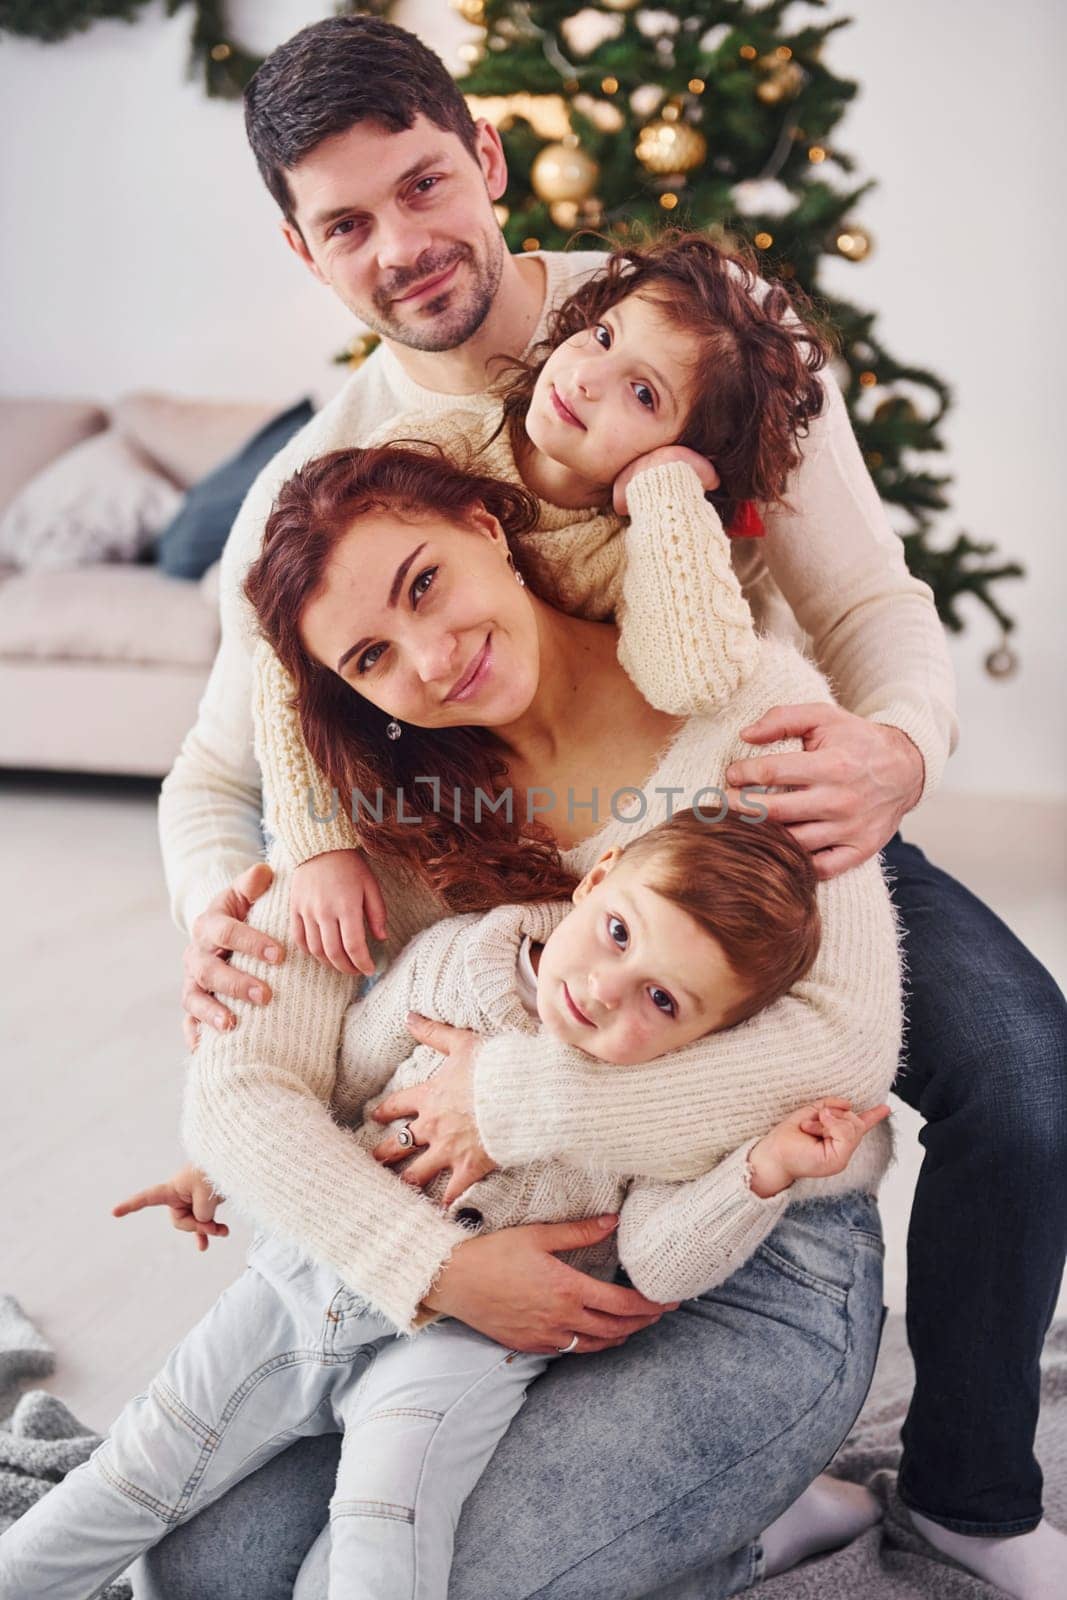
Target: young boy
column 693, row 927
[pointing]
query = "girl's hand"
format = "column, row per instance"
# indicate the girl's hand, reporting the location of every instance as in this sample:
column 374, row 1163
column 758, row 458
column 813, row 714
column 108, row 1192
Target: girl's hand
column 817, row 1141
column 441, row 1113
column 512, row 1287
column 659, row 458
column 333, row 896
column 192, row 1201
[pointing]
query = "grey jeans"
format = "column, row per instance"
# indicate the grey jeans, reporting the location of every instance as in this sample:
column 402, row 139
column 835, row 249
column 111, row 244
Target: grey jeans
column 647, row 1470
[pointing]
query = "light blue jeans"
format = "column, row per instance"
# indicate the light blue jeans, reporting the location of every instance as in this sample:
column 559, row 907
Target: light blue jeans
column 650, row 1470
column 287, row 1352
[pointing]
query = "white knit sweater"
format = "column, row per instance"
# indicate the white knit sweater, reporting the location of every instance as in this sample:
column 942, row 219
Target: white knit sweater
column 261, row 1118
column 830, row 565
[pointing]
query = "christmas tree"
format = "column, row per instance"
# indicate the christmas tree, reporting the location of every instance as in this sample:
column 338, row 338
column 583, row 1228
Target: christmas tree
column 722, row 115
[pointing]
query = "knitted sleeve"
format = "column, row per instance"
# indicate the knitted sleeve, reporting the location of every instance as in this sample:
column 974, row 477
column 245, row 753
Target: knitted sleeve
column 686, row 634
column 257, row 1118
column 301, row 810
column 677, row 1240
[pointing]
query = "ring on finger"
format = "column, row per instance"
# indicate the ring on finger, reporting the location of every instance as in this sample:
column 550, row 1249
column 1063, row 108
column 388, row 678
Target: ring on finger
column 405, row 1138
column 566, row 1349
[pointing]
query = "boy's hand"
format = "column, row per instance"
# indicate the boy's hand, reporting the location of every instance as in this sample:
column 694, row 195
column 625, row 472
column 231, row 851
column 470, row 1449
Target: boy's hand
column 192, row 1202
column 334, row 895
column 817, row 1141
column 659, row 458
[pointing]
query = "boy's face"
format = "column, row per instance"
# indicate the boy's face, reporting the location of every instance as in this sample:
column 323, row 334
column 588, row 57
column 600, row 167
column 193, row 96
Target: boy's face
column 627, row 976
column 401, row 227
column 614, row 391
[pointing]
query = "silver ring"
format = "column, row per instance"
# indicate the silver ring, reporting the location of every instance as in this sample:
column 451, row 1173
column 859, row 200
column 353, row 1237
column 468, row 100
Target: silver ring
column 405, row 1138
column 566, row 1349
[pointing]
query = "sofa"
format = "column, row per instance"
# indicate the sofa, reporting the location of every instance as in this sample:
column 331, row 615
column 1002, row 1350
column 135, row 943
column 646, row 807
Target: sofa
column 103, row 655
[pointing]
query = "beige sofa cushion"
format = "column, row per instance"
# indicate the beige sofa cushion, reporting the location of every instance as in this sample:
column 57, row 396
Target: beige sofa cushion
column 101, row 501
column 35, row 432
column 129, row 614
column 188, row 438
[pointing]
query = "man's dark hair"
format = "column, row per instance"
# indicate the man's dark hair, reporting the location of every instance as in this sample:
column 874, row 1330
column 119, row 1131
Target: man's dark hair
column 339, row 72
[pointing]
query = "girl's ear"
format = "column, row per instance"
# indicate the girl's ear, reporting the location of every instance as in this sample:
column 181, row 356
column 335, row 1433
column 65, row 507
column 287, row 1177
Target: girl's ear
column 484, row 522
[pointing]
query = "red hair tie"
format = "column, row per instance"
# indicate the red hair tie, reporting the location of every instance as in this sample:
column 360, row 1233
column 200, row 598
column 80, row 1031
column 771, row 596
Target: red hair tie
column 747, row 522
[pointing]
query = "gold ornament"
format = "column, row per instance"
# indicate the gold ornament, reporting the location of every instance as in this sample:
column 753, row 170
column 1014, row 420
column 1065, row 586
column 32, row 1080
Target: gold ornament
column 619, row 5
column 667, row 147
column 563, row 172
column 472, row 11
column 1003, row 661
column 853, row 243
column 363, row 345
column 895, row 409
column 784, row 79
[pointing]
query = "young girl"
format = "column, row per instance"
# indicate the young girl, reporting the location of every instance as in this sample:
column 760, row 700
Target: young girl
column 664, row 363
column 290, row 1346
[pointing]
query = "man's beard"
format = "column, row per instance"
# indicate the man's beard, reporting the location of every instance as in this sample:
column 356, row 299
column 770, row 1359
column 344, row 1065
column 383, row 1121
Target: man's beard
column 449, row 328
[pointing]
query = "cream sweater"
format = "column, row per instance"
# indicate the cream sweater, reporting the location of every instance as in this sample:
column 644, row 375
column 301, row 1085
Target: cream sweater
column 261, row 1116
column 831, row 566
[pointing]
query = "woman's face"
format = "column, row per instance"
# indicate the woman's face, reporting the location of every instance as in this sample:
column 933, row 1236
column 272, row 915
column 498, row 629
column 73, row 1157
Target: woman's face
column 426, row 620
column 614, row 391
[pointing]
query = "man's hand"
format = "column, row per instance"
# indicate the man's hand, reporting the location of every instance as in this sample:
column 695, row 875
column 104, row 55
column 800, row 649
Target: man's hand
column 818, row 1141
column 847, row 789
column 703, row 468
column 333, row 896
column 192, row 1202
column 512, row 1287
column 216, row 934
column 441, row 1113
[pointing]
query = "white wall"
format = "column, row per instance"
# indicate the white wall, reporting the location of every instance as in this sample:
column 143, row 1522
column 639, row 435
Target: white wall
column 140, row 249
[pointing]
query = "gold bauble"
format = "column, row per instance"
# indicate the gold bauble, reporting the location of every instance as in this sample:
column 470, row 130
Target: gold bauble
column 564, row 173
column 668, row 147
column 853, row 243
column 896, row 408
column 784, row 80
column 619, row 5
column 472, row 11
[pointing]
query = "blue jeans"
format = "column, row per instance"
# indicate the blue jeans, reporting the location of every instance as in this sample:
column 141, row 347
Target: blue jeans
column 287, row 1352
column 649, row 1469
column 986, row 1067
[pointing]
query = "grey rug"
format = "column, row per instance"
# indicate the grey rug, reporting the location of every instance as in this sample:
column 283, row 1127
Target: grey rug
column 892, row 1561
column 40, row 1441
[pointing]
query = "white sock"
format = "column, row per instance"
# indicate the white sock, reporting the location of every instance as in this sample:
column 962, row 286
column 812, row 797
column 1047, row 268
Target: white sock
column 1027, row 1566
column 828, row 1514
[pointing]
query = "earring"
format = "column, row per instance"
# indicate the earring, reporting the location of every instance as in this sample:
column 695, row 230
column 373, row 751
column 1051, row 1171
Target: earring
column 519, row 579
column 393, row 730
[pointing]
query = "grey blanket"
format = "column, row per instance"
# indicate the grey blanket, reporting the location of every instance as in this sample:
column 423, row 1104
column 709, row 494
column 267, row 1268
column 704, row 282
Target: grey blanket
column 40, row 1441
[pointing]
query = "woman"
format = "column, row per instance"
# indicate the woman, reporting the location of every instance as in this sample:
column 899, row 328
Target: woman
column 661, row 1463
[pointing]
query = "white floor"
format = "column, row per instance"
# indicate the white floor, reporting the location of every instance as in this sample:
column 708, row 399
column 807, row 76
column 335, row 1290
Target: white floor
column 90, row 1074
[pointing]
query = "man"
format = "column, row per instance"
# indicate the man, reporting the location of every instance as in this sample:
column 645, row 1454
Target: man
column 386, row 190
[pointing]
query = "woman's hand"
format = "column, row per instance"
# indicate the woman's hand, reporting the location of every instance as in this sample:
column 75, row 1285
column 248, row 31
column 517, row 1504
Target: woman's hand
column 847, row 789
column 659, row 458
column 440, row 1112
column 333, row 897
column 818, row 1141
column 512, row 1287
column 192, row 1201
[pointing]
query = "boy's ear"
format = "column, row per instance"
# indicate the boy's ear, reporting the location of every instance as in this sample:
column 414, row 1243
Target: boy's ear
column 597, row 873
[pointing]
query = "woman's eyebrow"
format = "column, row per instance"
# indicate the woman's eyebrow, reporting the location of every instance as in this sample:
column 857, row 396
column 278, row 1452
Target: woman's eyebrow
column 394, row 595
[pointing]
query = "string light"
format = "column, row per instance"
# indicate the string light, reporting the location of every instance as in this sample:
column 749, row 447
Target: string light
column 816, row 154
column 868, row 380
column 697, row 86
column 763, row 241
column 668, row 201
column 610, row 85
column 748, row 52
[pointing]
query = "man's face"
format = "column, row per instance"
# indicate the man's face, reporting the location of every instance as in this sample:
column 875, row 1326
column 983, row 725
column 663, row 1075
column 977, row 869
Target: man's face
column 401, row 228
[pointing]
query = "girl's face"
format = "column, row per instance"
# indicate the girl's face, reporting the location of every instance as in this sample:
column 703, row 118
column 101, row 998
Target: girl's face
column 426, row 620
column 614, row 391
